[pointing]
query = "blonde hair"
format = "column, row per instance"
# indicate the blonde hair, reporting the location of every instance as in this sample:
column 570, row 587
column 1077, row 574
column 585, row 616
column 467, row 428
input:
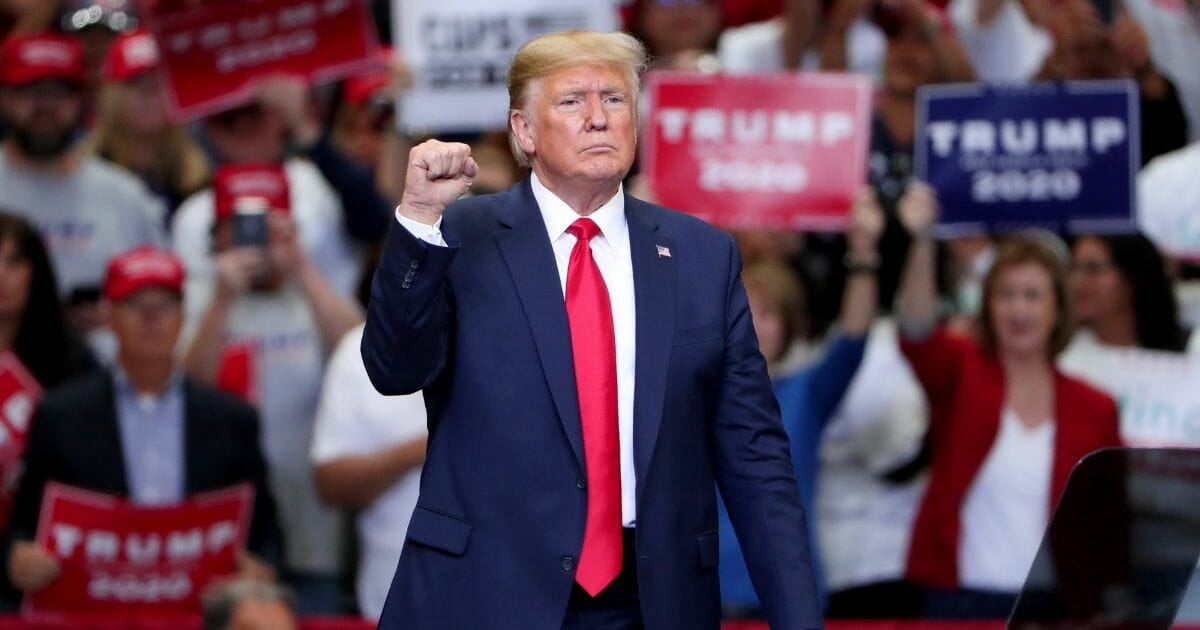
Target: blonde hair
column 182, row 165
column 546, row 54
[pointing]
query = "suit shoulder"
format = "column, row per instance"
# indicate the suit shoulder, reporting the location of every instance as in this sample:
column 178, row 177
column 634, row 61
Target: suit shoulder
column 472, row 213
column 80, row 391
column 683, row 225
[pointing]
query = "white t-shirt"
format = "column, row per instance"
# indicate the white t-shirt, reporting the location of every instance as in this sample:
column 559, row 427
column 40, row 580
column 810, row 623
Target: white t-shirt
column 287, row 355
column 758, row 47
column 1169, row 200
column 85, row 218
column 354, row 419
column 1008, row 48
column 1174, row 34
column 864, row 523
column 1007, row 507
column 288, row 366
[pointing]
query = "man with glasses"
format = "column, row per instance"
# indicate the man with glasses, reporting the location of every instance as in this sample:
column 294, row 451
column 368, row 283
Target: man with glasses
column 141, row 430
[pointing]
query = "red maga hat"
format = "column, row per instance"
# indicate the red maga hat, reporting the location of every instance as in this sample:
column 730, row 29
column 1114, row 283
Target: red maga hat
column 359, row 89
column 131, row 55
column 267, row 182
column 28, row 58
column 144, row 267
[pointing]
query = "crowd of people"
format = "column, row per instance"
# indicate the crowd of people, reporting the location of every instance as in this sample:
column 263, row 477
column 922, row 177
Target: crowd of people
column 936, row 393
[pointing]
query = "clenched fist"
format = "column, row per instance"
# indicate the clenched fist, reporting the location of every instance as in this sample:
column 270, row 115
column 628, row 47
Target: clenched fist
column 438, row 174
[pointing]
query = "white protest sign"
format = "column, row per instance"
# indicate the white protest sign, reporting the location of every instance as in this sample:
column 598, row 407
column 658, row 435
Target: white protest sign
column 460, row 50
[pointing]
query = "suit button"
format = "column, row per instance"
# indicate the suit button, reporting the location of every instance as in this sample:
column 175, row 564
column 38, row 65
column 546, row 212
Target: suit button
column 581, row 483
column 568, row 563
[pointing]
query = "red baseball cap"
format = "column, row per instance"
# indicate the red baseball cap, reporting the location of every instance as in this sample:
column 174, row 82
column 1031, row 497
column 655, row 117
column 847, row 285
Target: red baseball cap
column 131, row 55
column 359, row 89
column 144, row 267
column 267, row 182
column 28, row 58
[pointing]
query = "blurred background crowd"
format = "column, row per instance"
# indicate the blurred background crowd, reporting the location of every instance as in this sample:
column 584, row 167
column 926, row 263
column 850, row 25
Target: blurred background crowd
column 936, row 391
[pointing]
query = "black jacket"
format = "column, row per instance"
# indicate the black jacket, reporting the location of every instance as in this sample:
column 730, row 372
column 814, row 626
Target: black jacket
column 74, row 439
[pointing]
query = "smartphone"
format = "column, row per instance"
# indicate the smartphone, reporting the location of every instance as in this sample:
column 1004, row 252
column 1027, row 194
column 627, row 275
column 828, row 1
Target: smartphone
column 1107, row 9
column 250, row 222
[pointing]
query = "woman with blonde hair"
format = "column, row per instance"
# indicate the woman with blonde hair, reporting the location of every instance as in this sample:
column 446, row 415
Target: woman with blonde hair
column 133, row 129
column 1006, row 426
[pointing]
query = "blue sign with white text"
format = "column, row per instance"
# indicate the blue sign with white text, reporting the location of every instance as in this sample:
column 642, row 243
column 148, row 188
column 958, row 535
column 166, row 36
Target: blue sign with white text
column 1062, row 156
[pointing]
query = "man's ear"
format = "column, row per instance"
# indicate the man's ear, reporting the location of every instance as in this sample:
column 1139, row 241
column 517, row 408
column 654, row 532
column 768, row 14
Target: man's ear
column 523, row 130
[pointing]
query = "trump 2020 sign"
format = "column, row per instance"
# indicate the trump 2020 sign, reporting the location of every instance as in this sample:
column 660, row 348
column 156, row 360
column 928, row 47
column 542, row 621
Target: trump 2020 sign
column 758, row 151
column 1062, row 156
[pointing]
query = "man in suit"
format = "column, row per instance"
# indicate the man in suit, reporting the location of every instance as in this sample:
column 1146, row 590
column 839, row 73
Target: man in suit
column 141, row 430
column 590, row 369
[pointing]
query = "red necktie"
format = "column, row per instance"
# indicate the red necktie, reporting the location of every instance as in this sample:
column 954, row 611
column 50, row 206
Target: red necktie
column 594, row 350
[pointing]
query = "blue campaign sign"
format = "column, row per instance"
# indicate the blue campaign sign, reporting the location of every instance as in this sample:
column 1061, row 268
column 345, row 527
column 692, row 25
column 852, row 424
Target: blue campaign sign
column 1063, row 156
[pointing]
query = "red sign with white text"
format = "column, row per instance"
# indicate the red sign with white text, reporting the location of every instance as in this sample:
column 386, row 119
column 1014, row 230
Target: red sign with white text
column 759, row 151
column 117, row 557
column 213, row 51
column 19, row 393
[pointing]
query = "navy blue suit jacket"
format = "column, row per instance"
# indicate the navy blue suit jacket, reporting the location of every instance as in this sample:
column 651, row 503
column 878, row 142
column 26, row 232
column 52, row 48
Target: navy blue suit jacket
column 481, row 327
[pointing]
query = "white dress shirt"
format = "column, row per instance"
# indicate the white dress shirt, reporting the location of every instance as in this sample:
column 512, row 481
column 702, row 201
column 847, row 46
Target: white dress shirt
column 610, row 249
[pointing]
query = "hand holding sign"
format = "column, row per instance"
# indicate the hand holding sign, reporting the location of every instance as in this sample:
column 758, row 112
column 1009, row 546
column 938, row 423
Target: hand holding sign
column 866, row 223
column 1130, row 43
column 117, row 557
column 288, row 96
column 1060, row 156
column 918, row 209
column 438, row 174
column 30, row 567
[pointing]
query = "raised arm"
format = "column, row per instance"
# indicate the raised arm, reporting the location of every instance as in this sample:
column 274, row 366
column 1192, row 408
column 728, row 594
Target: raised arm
column 830, row 376
column 917, row 299
column 935, row 356
column 407, row 336
column 861, row 298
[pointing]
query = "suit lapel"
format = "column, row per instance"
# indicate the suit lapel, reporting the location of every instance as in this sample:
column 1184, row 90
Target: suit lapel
column 195, row 440
column 655, row 279
column 110, row 471
column 526, row 249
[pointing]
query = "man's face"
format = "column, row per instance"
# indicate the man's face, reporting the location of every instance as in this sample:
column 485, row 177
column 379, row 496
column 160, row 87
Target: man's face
column 147, row 324
column 579, row 125
column 42, row 117
column 247, row 135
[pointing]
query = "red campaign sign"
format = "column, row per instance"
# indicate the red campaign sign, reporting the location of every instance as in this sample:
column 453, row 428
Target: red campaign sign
column 759, row 151
column 213, row 51
column 19, row 393
column 122, row 558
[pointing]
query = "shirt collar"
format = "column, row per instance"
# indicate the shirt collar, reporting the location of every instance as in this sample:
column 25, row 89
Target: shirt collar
column 124, row 385
column 558, row 216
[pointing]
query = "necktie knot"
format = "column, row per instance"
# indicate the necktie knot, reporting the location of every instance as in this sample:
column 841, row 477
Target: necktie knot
column 584, row 229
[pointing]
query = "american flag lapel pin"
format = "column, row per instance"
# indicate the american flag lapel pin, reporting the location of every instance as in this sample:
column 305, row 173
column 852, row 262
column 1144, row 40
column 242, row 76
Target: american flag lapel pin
column 663, row 252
